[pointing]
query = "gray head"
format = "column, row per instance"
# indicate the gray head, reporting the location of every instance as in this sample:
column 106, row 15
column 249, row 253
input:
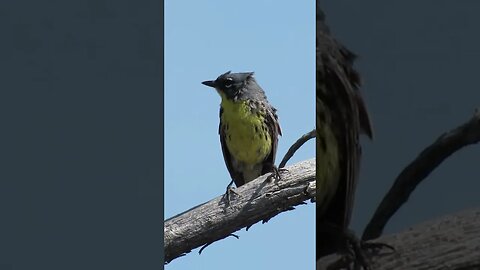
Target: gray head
column 237, row 86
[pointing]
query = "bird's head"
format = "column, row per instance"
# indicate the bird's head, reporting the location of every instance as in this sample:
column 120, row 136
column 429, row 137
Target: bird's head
column 233, row 86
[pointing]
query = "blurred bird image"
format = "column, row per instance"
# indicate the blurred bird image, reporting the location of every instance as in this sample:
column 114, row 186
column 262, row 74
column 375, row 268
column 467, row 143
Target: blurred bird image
column 340, row 118
column 248, row 129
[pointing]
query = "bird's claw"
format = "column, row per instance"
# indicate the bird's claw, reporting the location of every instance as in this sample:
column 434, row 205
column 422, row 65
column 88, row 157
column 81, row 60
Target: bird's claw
column 375, row 247
column 227, row 197
column 276, row 173
column 358, row 253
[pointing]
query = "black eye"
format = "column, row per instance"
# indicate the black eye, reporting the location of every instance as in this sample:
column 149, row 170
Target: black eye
column 228, row 82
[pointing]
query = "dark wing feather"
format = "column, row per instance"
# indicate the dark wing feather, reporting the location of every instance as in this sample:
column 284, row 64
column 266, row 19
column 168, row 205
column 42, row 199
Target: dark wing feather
column 237, row 176
column 346, row 131
column 271, row 121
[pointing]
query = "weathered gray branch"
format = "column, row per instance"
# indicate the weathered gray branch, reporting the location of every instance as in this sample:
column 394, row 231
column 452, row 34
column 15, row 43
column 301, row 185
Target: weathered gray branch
column 448, row 243
column 256, row 201
column 419, row 169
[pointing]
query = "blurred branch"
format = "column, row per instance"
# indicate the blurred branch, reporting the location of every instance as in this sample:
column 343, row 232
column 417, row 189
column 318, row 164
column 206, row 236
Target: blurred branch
column 419, row 169
column 448, row 243
column 291, row 151
column 258, row 200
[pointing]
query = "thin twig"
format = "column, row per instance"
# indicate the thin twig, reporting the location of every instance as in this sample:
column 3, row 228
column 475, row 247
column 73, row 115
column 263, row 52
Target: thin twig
column 208, row 244
column 291, row 151
column 419, row 169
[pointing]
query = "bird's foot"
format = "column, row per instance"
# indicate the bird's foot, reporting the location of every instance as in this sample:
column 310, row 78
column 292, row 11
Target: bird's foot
column 357, row 253
column 228, row 196
column 374, row 248
column 275, row 175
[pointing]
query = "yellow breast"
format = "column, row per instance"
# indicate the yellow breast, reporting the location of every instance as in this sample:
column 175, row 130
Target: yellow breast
column 328, row 159
column 247, row 138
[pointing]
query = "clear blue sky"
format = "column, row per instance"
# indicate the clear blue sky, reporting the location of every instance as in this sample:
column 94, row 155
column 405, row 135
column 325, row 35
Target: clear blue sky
column 202, row 40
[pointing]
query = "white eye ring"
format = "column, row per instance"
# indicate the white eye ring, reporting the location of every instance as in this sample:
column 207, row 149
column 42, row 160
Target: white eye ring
column 229, row 83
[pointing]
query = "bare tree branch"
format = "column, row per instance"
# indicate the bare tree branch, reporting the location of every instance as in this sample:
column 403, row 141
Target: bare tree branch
column 448, row 243
column 419, row 169
column 257, row 200
column 291, row 151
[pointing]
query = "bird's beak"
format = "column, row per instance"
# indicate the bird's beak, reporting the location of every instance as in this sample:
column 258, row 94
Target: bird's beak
column 209, row 83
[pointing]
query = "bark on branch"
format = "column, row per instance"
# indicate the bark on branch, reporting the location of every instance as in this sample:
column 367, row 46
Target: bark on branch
column 448, row 243
column 258, row 200
column 419, row 169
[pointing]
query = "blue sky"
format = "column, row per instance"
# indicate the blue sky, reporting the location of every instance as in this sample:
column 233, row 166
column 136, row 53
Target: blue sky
column 202, row 40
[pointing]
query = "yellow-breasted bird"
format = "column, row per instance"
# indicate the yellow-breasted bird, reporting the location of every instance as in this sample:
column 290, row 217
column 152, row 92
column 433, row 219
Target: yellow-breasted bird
column 248, row 129
column 341, row 116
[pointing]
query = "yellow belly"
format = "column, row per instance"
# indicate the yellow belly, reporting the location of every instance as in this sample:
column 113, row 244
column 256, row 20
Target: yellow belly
column 247, row 138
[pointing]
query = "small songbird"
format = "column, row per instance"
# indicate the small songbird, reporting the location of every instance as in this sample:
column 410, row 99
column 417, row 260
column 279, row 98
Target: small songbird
column 341, row 117
column 249, row 127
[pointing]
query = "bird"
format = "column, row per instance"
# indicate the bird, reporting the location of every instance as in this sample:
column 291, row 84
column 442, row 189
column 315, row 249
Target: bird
column 341, row 116
column 248, row 129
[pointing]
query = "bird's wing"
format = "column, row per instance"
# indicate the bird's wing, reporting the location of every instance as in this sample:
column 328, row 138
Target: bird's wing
column 345, row 126
column 271, row 121
column 341, row 94
column 236, row 176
